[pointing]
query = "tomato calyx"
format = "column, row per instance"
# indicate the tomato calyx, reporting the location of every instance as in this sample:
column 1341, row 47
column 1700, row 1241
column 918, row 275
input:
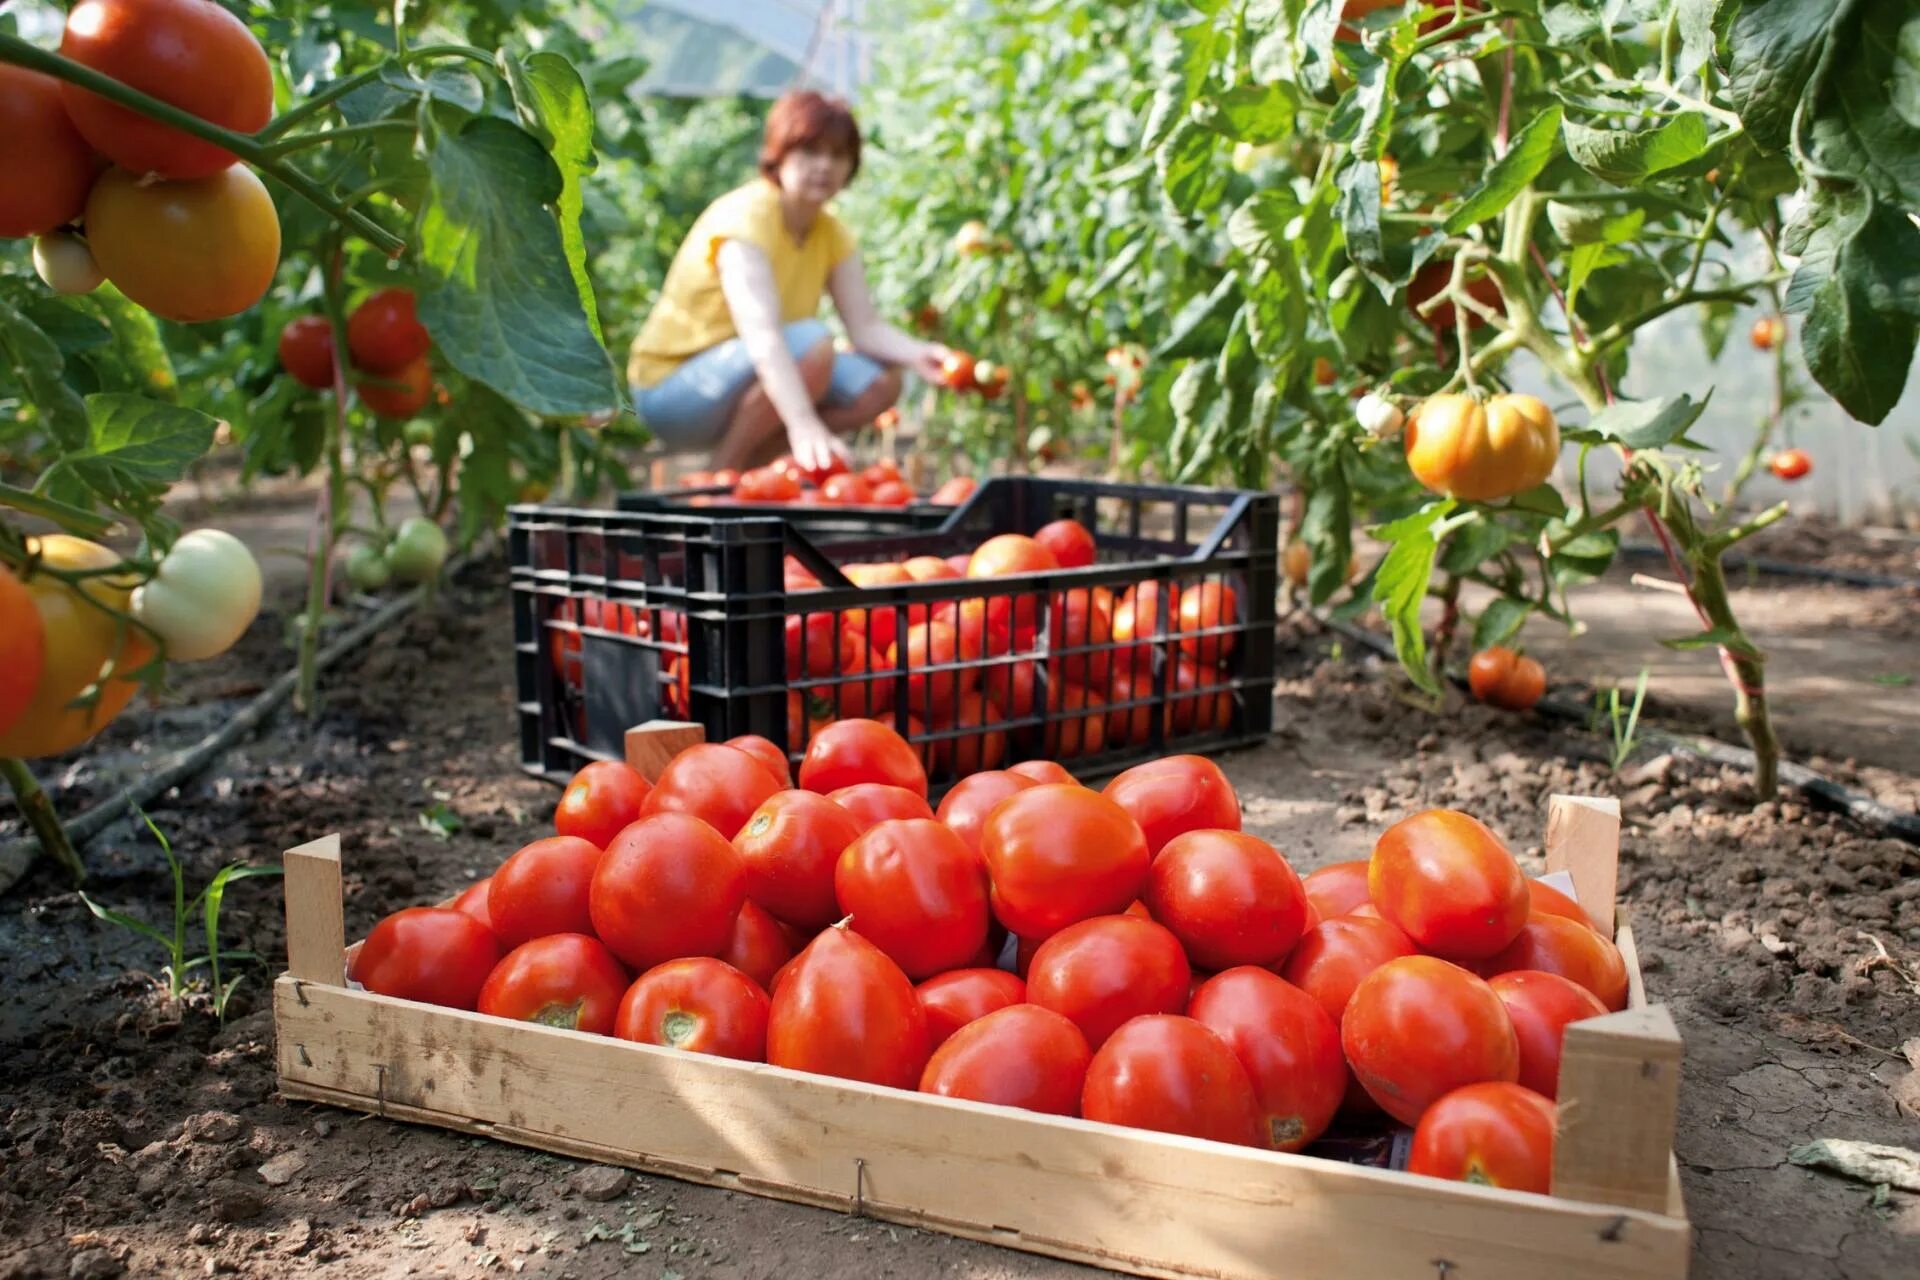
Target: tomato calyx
column 558, row 1014
column 678, row 1027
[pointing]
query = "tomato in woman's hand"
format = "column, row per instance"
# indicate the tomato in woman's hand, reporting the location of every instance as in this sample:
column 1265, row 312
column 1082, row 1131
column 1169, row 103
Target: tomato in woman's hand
column 1337, row 888
column 759, row 945
column 1287, row 1043
column 1229, row 897
column 668, row 886
column 851, row 751
column 957, row 997
column 542, row 888
column 1173, row 1075
column 1541, row 1005
column 1043, row 771
column 718, row 784
column 600, row 800
column 1418, row 1027
column 1069, row 541
column 872, row 803
column 915, row 891
column 473, row 901
column 1176, row 794
column 966, row 806
column 844, row 1009
column 789, row 848
column 1105, row 971
column 1057, row 854
column 559, row 980
column 1017, row 1056
column 1571, row 949
column 698, row 1004
column 1449, row 884
column 1545, row 900
column 432, row 954
column 1332, row 957
column 1493, row 1134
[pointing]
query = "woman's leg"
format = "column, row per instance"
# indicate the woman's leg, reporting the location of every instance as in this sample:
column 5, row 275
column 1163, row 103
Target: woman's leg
column 879, row 395
column 755, row 429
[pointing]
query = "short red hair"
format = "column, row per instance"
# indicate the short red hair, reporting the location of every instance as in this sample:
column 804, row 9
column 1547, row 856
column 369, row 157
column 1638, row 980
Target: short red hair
column 804, row 118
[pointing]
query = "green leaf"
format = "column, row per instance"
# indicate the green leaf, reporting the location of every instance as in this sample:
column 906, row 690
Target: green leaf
column 135, row 450
column 1185, row 162
column 1473, row 544
column 1201, row 325
column 1718, row 638
column 1858, row 284
column 1695, row 20
column 1499, row 622
column 68, row 322
column 77, row 520
column 1400, row 585
column 1773, row 48
column 37, row 362
column 555, row 99
column 1116, row 268
column 1649, row 424
column 126, row 921
column 138, row 353
column 1360, row 214
column 1589, row 258
column 1327, row 528
column 1716, row 324
column 498, row 294
column 1258, row 228
column 1864, row 119
column 1193, row 393
column 1627, row 157
column 1585, row 558
column 1533, row 148
column 1260, row 113
column 1542, row 499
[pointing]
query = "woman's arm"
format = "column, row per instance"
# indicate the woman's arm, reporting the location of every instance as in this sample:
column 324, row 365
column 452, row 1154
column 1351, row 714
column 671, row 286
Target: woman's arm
column 747, row 281
column 873, row 336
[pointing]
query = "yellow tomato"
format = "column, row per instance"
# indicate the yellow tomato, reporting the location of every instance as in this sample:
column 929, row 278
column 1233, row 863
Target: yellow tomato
column 189, row 251
column 1465, row 449
column 84, row 645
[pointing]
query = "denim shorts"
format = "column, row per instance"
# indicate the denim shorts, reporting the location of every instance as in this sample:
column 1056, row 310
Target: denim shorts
column 690, row 408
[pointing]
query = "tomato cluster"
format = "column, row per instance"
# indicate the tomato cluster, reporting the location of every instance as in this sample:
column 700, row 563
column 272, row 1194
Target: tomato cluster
column 1165, row 969
column 175, row 222
column 385, row 341
column 784, row 482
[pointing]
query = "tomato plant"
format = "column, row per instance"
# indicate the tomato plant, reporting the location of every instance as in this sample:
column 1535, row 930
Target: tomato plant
column 1496, row 1134
column 1171, row 1074
column 1017, row 1056
column 432, row 954
column 844, row 1009
column 1418, row 1028
column 698, row 1004
column 559, row 980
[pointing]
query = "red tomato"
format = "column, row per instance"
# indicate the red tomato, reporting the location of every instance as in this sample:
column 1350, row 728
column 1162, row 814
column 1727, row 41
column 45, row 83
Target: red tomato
column 844, row 1009
column 600, row 800
column 1069, row 541
column 954, row 492
column 1449, row 883
column 969, row 753
column 858, row 699
column 1337, row 888
column 1418, row 1028
column 966, row 807
column 718, row 784
column 306, row 351
column 1011, row 553
column 52, row 166
column 1790, row 464
column 1545, row 900
column 384, row 335
column 726, row 477
column 1203, row 608
column 1229, row 897
column 668, row 886
column 892, row 494
column 1009, row 686
column 1502, row 678
column 953, row 999
column 1333, row 956
column 1190, row 708
column 1076, row 721
column 473, row 901
column 933, row 694
column 1493, row 1134
column 432, row 954
column 829, row 645
column 956, row 370
column 1556, row 944
column 1019, row 1056
column 1287, row 1043
column 836, row 466
column 1129, row 724
column 850, row 751
column 1541, row 1005
column 766, row 485
column 789, row 848
column 915, row 891
column 759, row 945
column 542, row 889
column 1172, row 1075
column 1107, row 970
column 880, row 471
column 560, row 980
column 766, row 753
column 872, row 803
column 1174, row 795
column 960, row 562
column 1058, row 853
column 929, row 569
column 1078, row 619
column 1043, row 771
column 698, row 1004
column 404, row 400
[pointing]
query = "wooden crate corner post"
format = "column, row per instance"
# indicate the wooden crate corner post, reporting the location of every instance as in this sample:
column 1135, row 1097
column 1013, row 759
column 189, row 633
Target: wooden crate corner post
column 316, row 928
column 1583, row 840
column 651, row 745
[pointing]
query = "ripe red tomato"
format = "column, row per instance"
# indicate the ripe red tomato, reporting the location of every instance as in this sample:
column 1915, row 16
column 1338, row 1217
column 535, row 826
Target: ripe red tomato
column 1191, row 709
column 765, row 484
column 1767, row 333
column 1493, row 1134
column 917, row 892
column 892, row 494
column 698, row 1004
column 1174, row 795
column 306, row 351
column 1569, row 948
column 600, row 800
column 1545, row 900
column 1229, row 897
column 969, row 753
column 50, row 165
column 1043, row 771
column 1079, row 619
column 789, row 848
column 1058, row 853
column 1502, row 678
column 718, row 784
column 956, row 371
column 1790, row 464
column 818, row 645
column 1449, row 884
column 967, row 805
column 1102, row 972
column 384, row 335
column 1541, row 1005
column 543, row 889
column 409, row 397
column 1337, row 888
column 844, row 1009
column 1010, row 686
column 432, row 954
column 933, row 694
column 1205, row 607
column 1019, row 1056
column 191, row 54
column 1332, row 957
column 1070, row 542
column 844, row 490
column 1418, row 1028
column 759, row 945
column 766, row 753
column 560, row 980
column 850, row 751
column 668, row 886
column 1287, row 1043
column 954, row 492
column 1009, row 553
column 473, row 901
column 1172, row 1075
column 953, row 999
column 872, row 803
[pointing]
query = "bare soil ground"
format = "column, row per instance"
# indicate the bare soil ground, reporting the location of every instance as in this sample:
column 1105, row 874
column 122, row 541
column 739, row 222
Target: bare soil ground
column 146, row 1139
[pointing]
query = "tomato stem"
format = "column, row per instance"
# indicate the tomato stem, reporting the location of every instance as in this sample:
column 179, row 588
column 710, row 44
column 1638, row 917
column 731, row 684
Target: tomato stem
column 39, row 813
column 301, row 141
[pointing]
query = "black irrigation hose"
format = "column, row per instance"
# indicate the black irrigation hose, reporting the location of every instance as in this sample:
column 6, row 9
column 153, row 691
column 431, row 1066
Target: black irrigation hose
column 1821, row 790
column 1783, row 568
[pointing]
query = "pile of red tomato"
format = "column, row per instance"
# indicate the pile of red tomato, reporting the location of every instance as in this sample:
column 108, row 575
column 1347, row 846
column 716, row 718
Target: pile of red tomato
column 1168, row 971
column 385, row 341
column 786, row 482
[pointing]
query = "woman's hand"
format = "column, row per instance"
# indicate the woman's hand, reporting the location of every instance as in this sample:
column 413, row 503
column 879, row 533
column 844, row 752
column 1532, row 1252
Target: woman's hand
column 814, row 446
column 930, row 361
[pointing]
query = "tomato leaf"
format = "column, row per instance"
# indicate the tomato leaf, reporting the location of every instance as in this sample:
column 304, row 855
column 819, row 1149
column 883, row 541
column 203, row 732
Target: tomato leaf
column 1258, row 228
column 1695, row 20
column 67, row 321
column 1774, row 47
column 1585, row 558
column 1858, row 284
column 1192, row 394
column 1866, row 116
column 135, row 448
column 1718, row 638
column 1256, row 113
column 1627, row 157
column 1542, row 499
column 37, row 362
column 1400, row 585
column 1185, row 162
column 1499, row 622
column 1473, row 544
column 1327, row 527
column 1649, row 424
column 1533, row 148
column 1201, row 325
column 551, row 95
column 497, row 293
column 1360, row 214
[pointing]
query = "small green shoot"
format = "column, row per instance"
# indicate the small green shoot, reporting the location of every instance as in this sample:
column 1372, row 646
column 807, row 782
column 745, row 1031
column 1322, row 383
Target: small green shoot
column 1625, row 730
column 440, row 822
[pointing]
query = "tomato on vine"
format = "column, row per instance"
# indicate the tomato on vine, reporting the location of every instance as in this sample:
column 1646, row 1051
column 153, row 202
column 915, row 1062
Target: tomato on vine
column 1790, row 464
column 1502, row 678
column 49, row 166
column 1465, row 449
column 412, row 387
column 201, row 249
column 306, row 351
column 384, row 336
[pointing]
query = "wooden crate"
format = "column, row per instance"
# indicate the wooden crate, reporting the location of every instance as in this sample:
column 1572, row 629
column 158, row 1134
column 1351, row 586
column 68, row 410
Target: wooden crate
column 1145, row 1203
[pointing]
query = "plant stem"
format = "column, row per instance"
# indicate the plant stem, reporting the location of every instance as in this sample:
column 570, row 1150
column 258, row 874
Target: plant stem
column 331, row 512
column 301, row 141
column 1449, row 594
column 37, row 809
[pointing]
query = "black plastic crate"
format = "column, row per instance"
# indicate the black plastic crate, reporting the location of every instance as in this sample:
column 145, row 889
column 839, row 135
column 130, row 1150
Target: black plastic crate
column 666, row 610
column 820, row 522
